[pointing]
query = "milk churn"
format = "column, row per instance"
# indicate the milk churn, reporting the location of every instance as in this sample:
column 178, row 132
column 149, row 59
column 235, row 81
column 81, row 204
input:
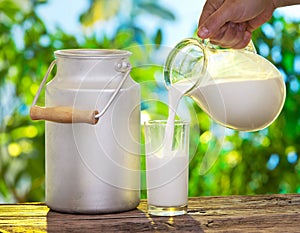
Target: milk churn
column 92, row 114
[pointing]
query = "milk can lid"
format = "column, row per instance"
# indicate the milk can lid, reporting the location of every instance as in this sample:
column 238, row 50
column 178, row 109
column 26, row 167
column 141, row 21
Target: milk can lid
column 92, row 53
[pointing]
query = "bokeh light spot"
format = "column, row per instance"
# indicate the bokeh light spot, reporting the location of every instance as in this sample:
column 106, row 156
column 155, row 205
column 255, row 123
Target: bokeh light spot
column 14, row 149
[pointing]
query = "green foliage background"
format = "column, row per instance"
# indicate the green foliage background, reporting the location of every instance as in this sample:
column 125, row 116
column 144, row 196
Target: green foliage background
column 241, row 163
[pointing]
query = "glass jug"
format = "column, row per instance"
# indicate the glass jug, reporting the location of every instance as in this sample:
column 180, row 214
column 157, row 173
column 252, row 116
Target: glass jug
column 237, row 88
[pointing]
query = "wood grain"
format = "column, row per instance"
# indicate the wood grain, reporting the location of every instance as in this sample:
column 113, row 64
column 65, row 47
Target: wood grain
column 62, row 114
column 261, row 213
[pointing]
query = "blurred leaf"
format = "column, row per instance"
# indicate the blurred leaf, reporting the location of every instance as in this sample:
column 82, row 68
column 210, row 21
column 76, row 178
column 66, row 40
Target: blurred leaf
column 100, row 10
column 155, row 9
column 158, row 38
column 3, row 189
column 288, row 61
column 8, row 10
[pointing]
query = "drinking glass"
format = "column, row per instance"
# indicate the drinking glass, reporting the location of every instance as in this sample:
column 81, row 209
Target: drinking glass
column 167, row 159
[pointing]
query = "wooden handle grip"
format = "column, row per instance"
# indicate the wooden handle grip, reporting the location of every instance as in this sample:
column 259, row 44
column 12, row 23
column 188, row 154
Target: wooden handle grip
column 63, row 114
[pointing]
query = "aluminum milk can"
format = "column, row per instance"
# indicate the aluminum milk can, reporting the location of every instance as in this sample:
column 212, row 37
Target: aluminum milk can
column 92, row 118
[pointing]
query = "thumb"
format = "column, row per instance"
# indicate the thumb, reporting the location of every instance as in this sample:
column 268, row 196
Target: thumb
column 214, row 22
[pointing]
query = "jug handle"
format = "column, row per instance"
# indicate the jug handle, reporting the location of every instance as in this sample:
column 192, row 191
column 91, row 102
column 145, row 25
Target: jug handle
column 171, row 57
column 60, row 114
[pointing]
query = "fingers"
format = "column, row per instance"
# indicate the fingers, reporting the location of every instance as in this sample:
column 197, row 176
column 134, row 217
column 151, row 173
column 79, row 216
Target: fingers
column 226, row 24
column 214, row 17
column 260, row 19
column 208, row 9
column 232, row 35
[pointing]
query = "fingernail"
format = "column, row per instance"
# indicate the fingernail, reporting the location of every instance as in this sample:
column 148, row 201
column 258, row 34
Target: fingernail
column 203, row 32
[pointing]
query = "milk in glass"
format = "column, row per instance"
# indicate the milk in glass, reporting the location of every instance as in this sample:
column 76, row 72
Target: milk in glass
column 167, row 168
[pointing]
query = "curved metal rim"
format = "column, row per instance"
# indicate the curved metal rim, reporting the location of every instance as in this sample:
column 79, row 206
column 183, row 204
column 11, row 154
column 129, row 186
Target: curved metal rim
column 91, row 53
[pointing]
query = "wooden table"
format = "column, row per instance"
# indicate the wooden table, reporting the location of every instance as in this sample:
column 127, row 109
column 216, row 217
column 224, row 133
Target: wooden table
column 262, row 213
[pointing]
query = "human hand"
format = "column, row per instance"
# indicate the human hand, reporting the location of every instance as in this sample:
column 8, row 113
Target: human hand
column 230, row 23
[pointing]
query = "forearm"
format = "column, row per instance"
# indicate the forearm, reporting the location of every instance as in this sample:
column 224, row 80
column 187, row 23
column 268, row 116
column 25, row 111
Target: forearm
column 281, row 3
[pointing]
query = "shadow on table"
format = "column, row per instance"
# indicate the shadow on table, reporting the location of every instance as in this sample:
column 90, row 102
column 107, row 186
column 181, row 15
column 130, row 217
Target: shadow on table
column 132, row 221
column 184, row 223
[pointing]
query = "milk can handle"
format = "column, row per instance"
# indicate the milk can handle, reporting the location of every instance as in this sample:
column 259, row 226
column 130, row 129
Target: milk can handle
column 168, row 69
column 65, row 114
column 125, row 68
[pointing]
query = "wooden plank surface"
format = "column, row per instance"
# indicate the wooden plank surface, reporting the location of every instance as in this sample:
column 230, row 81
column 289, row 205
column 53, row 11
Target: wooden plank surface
column 262, row 213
